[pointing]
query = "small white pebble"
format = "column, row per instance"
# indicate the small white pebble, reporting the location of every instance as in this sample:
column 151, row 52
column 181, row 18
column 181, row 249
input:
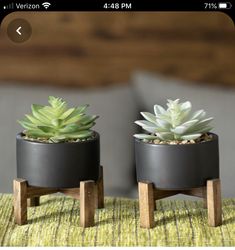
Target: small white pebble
column 156, row 141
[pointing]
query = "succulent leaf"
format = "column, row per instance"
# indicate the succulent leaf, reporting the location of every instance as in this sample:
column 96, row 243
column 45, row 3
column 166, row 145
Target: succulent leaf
column 144, row 136
column 165, row 136
column 177, row 122
column 149, row 117
column 87, row 119
column 163, row 123
column 200, row 114
column 159, row 110
column 56, row 123
column 144, row 123
column 27, row 125
column 67, row 113
column 191, row 137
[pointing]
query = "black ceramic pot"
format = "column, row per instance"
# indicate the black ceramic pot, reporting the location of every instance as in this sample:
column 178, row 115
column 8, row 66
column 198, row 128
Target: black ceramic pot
column 177, row 166
column 57, row 165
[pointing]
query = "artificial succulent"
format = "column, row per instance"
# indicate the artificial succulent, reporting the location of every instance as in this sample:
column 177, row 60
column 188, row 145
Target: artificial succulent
column 177, row 122
column 57, row 123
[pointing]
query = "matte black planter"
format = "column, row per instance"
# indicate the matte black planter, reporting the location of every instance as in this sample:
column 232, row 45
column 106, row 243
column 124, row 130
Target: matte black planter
column 57, row 165
column 177, row 166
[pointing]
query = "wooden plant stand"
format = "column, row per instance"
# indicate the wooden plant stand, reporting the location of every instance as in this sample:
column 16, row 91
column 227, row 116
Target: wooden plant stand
column 211, row 194
column 90, row 193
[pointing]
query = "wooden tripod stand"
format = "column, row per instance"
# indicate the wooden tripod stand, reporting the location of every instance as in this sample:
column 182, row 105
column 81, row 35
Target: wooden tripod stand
column 90, row 194
column 211, row 193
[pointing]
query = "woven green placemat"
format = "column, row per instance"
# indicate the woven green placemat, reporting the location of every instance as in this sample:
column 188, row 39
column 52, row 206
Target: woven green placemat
column 56, row 223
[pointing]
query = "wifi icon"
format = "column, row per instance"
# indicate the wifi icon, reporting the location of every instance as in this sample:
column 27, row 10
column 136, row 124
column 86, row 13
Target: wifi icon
column 46, row 5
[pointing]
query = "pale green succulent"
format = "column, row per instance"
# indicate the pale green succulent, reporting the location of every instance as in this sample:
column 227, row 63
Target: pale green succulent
column 177, row 122
column 57, row 123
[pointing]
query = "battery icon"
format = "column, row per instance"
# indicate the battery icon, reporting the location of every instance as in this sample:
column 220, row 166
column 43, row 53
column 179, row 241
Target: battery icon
column 225, row 5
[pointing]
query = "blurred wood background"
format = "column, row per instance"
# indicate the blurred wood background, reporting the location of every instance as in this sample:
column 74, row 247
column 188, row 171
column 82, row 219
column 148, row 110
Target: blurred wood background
column 90, row 49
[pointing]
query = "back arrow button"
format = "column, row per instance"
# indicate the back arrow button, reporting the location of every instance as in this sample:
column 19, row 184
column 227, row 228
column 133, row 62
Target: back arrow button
column 18, row 30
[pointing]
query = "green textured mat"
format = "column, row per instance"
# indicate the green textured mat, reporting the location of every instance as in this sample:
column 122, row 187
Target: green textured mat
column 56, row 223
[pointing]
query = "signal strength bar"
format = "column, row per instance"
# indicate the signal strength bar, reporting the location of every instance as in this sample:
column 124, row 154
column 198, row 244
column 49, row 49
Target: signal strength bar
column 9, row 6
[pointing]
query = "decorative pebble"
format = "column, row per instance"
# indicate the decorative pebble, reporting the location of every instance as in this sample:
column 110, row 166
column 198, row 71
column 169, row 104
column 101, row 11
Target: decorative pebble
column 204, row 138
column 156, row 141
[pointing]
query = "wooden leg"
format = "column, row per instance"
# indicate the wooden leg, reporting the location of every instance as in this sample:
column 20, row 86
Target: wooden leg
column 204, row 197
column 33, row 202
column 146, row 204
column 100, row 190
column 87, row 203
column 20, row 201
column 155, row 205
column 205, row 202
column 214, row 203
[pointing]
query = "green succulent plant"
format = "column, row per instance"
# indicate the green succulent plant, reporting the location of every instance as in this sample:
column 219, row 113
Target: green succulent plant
column 177, row 122
column 57, row 123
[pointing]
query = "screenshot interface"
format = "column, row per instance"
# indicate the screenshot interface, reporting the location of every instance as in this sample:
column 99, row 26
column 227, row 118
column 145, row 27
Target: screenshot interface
column 117, row 94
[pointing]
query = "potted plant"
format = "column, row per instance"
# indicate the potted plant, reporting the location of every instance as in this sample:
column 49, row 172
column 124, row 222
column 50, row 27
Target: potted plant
column 178, row 151
column 58, row 149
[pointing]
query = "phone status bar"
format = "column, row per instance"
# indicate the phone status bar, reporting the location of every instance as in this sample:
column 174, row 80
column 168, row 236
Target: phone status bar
column 118, row 5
